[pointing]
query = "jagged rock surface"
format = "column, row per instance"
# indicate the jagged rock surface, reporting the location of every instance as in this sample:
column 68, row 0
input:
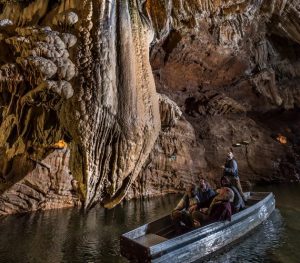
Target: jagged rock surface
column 230, row 66
column 108, row 113
column 79, row 72
column 49, row 186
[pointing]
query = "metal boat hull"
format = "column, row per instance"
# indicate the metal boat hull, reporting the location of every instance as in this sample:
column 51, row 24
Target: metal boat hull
column 145, row 244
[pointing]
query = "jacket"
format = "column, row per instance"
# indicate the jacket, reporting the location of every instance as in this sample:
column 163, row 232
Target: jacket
column 231, row 168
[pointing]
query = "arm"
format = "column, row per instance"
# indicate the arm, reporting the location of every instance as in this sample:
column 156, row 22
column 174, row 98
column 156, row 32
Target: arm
column 193, row 205
column 182, row 203
column 212, row 193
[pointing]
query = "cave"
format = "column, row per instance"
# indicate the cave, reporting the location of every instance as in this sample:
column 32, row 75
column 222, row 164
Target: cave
column 149, row 96
column 102, row 102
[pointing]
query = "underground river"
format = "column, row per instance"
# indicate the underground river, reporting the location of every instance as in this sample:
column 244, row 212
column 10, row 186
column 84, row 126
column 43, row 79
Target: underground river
column 69, row 236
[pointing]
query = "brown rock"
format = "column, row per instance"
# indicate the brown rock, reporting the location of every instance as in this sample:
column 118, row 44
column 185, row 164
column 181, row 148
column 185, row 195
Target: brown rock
column 48, row 186
column 80, row 72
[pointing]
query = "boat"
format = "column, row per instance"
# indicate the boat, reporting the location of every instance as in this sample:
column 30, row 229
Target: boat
column 157, row 241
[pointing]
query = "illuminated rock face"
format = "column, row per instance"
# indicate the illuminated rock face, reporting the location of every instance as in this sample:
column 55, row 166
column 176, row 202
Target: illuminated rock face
column 84, row 77
column 79, row 73
column 50, row 185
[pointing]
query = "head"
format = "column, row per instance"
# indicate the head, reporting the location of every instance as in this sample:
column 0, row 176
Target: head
column 225, row 181
column 230, row 155
column 203, row 184
column 225, row 194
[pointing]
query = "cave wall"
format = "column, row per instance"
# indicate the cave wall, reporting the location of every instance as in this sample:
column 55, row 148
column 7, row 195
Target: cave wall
column 232, row 67
column 102, row 100
column 77, row 72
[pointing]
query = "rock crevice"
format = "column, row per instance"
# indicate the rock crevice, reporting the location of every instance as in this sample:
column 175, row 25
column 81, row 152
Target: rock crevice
column 142, row 97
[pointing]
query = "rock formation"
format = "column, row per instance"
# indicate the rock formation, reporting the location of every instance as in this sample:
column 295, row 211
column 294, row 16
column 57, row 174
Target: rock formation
column 101, row 100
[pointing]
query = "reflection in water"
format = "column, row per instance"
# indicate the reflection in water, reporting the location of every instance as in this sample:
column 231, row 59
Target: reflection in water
column 70, row 236
column 34, row 237
column 257, row 246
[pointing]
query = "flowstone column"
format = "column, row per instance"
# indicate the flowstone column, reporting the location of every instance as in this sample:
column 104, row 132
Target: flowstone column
column 104, row 105
column 118, row 115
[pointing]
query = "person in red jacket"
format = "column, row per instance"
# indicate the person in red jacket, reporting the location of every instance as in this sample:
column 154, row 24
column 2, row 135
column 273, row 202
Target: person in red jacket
column 238, row 202
column 219, row 210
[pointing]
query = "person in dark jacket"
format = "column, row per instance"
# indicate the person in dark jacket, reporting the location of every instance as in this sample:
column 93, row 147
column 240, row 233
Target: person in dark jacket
column 238, row 202
column 205, row 194
column 219, row 209
column 230, row 171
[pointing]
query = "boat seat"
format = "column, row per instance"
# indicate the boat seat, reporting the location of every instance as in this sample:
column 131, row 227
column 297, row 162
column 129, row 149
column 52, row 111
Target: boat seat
column 164, row 231
column 150, row 240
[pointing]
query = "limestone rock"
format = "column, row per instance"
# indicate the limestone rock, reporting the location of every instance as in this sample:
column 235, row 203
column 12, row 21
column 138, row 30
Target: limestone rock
column 169, row 112
column 5, row 22
column 148, row 95
column 68, row 18
column 38, row 66
column 48, row 186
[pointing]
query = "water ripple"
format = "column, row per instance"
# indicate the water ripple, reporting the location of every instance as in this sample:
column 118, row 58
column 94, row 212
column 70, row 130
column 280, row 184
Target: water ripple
column 70, row 236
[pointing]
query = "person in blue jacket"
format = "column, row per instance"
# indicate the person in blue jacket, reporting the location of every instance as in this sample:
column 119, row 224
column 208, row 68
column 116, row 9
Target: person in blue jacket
column 204, row 193
column 231, row 172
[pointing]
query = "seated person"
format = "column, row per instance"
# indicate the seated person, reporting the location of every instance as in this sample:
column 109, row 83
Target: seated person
column 238, row 202
column 182, row 214
column 205, row 194
column 219, row 209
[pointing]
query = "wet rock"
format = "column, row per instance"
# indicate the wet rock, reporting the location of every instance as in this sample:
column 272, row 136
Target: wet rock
column 48, row 186
column 68, row 18
column 140, row 124
column 5, row 22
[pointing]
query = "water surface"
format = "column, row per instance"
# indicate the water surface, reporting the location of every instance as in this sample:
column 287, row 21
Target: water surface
column 70, row 236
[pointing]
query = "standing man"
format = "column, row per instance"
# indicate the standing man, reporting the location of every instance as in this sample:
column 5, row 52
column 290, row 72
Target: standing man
column 230, row 171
